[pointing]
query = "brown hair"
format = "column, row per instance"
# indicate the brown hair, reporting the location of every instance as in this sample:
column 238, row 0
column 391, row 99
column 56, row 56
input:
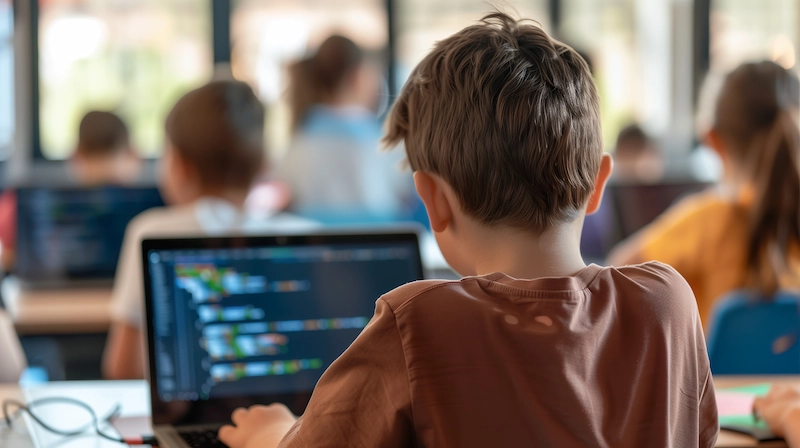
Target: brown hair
column 509, row 118
column 756, row 117
column 219, row 130
column 102, row 133
column 317, row 79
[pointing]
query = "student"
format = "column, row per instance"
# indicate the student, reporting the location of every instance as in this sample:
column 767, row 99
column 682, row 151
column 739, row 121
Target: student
column 213, row 154
column 533, row 347
column 103, row 156
column 636, row 158
column 745, row 233
column 333, row 167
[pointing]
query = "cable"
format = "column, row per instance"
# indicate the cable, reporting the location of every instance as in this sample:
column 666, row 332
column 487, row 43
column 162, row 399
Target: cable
column 95, row 423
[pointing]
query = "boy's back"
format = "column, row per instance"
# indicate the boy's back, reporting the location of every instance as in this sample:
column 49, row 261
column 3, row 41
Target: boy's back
column 501, row 126
column 608, row 358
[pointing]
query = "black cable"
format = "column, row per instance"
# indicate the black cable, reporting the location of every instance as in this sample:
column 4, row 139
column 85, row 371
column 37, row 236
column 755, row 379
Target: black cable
column 95, row 423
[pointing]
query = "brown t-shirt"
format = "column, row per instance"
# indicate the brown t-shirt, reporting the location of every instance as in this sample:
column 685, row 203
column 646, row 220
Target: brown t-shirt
column 612, row 357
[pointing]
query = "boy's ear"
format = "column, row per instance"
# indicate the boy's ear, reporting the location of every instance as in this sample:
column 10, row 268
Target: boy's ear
column 431, row 191
column 606, row 167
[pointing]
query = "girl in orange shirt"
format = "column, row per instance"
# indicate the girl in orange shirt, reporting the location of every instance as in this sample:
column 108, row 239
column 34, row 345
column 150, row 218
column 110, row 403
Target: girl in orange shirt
column 746, row 233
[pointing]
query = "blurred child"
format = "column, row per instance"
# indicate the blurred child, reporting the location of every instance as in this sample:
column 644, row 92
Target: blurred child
column 636, row 158
column 213, row 154
column 533, row 348
column 333, row 167
column 746, row 233
column 103, row 156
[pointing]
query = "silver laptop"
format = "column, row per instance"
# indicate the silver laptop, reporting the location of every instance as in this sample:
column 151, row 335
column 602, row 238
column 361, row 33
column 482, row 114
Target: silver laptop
column 233, row 322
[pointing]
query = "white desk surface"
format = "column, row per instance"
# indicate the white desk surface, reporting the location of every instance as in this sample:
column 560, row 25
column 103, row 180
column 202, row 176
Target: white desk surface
column 134, row 398
column 65, row 311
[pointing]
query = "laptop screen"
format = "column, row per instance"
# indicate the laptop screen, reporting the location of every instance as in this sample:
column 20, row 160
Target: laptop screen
column 75, row 233
column 263, row 317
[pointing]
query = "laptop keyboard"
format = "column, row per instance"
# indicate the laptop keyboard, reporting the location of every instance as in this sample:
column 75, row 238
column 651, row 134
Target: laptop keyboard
column 202, row 439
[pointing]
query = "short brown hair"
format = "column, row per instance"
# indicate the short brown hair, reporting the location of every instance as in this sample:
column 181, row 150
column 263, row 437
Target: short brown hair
column 102, row 133
column 219, row 130
column 509, row 118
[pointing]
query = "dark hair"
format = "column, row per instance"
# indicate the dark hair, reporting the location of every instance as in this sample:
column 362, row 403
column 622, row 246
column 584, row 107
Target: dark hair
column 317, row 79
column 509, row 118
column 632, row 136
column 102, row 133
column 756, row 117
column 219, row 130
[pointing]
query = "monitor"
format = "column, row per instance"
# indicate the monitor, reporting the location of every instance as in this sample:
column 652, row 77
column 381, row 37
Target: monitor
column 244, row 320
column 75, row 234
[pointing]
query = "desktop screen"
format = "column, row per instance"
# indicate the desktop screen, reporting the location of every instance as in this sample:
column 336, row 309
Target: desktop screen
column 75, row 233
column 263, row 320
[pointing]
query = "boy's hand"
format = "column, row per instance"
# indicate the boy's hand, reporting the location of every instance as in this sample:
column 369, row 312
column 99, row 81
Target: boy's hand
column 781, row 410
column 257, row 427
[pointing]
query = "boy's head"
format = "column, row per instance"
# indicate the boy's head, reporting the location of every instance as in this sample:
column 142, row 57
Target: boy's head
column 509, row 120
column 215, row 143
column 102, row 134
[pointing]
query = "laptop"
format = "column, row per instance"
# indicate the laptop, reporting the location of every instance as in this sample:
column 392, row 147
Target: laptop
column 238, row 321
column 72, row 236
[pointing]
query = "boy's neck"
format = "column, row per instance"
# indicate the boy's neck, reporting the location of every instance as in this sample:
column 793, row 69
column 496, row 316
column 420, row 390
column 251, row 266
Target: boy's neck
column 519, row 254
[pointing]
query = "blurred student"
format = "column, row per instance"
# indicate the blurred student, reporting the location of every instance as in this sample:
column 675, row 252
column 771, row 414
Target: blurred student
column 334, row 168
column 103, row 156
column 533, row 348
column 746, row 233
column 214, row 152
column 636, row 158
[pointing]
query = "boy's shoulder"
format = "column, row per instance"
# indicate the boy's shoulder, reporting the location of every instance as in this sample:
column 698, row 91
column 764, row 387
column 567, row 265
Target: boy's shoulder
column 165, row 220
column 651, row 287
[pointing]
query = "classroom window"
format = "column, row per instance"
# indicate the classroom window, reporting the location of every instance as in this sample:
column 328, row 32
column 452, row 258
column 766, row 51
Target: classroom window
column 268, row 35
column 606, row 32
column 752, row 30
column 421, row 23
column 132, row 57
column 6, row 78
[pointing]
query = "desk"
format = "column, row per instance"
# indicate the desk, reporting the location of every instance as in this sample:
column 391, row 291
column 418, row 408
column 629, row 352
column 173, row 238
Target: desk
column 68, row 311
column 134, row 397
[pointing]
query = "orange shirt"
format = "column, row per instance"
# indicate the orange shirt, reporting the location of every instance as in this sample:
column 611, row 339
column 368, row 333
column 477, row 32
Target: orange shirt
column 704, row 237
column 607, row 358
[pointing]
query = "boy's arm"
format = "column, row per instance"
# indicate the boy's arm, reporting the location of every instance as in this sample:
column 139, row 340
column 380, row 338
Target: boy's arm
column 363, row 399
column 709, row 418
column 781, row 410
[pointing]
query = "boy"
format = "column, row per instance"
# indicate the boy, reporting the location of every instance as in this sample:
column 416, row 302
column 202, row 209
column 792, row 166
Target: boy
column 501, row 126
column 213, row 154
column 103, row 156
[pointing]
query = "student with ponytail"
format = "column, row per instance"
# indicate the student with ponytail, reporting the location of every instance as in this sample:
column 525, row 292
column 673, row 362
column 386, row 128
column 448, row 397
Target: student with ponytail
column 746, row 232
column 334, row 167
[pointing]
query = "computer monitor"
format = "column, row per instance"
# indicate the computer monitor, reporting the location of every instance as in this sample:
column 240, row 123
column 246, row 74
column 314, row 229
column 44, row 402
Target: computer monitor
column 638, row 205
column 244, row 320
column 74, row 234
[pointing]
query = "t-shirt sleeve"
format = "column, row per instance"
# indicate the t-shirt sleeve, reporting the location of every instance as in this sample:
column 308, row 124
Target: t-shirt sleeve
column 676, row 237
column 127, row 298
column 364, row 398
column 709, row 420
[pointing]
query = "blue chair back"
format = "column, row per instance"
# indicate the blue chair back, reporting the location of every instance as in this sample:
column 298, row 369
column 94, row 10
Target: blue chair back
column 752, row 335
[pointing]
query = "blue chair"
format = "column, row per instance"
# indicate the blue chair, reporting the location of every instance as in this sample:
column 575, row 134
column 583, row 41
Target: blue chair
column 752, row 335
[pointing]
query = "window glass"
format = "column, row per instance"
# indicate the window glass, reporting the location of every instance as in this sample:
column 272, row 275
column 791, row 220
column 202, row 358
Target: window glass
column 421, row 23
column 6, row 78
column 748, row 30
column 268, row 35
column 133, row 57
column 606, row 32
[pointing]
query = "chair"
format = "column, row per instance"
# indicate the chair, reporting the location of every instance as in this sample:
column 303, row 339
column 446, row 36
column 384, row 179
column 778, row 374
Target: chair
column 12, row 358
column 752, row 335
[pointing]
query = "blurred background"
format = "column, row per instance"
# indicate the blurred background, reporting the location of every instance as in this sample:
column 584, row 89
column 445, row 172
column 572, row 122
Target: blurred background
column 656, row 62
